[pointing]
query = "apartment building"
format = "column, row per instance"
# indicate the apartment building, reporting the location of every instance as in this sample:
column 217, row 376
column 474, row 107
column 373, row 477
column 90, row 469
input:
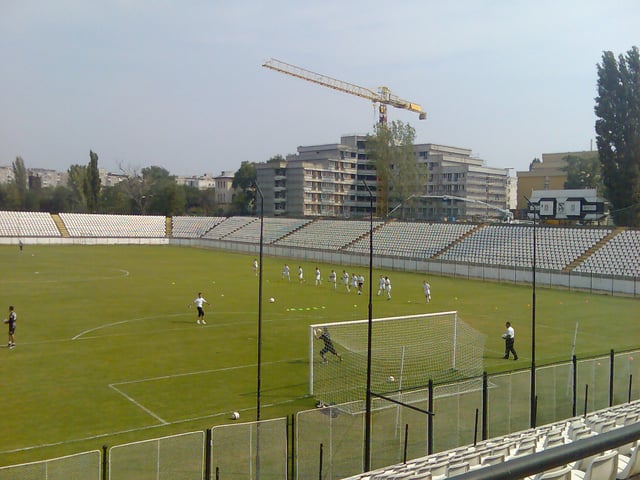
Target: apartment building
column 339, row 180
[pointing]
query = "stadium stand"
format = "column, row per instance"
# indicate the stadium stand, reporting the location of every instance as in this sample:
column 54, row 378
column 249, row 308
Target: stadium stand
column 619, row 256
column 512, row 245
column 330, row 234
column 274, row 229
column 621, row 463
column 27, row 224
column 193, row 227
column 228, row 226
column 122, row 226
column 408, row 239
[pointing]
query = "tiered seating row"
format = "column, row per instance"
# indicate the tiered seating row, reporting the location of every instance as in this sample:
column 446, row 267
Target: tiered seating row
column 513, row 245
column 121, row 226
column 331, row 234
column 619, row 256
column 27, row 224
column 193, row 227
column 508, row 245
column 274, row 228
column 406, row 239
column 624, row 462
column 230, row 225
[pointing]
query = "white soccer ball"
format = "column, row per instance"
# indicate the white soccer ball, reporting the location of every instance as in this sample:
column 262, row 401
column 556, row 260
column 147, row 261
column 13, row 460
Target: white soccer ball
column 271, row 300
column 235, row 415
column 391, row 379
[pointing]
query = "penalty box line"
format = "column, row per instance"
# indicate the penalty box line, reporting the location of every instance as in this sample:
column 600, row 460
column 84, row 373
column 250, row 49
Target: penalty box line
column 162, row 421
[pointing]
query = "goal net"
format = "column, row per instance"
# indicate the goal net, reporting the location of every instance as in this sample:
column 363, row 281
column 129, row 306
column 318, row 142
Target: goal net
column 406, row 352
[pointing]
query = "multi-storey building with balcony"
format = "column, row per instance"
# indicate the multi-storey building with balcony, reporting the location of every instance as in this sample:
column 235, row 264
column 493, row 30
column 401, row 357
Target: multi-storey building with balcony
column 339, row 180
column 459, row 186
column 319, row 181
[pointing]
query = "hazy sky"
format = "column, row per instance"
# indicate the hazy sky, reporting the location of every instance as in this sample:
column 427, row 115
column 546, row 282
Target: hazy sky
column 179, row 84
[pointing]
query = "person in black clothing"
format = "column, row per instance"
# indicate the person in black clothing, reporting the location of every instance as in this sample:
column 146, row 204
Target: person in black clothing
column 323, row 334
column 12, row 327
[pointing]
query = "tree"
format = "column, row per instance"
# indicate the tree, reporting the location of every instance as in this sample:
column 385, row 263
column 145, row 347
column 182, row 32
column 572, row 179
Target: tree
column 92, row 183
column 76, row 181
column 245, row 179
column 20, row 178
column 583, row 172
column 618, row 133
column 398, row 174
column 534, row 162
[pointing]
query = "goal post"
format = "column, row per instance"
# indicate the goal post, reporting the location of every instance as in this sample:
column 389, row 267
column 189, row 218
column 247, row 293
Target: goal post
column 406, row 352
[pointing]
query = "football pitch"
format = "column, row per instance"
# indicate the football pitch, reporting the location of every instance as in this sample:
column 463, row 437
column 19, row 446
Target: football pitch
column 108, row 349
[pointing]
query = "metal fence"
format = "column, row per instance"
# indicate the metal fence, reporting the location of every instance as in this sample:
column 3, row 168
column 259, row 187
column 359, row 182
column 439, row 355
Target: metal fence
column 328, row 442
column 250, row 450
column 179, row 457
column 81, row 466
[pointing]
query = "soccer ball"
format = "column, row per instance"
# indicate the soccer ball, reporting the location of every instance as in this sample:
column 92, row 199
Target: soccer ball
column 235, row 415
column 271, row 300
column 504, row 335
column 391, row 379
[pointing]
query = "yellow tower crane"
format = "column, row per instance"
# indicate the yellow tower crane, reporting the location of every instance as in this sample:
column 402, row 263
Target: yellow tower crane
column 382, row 96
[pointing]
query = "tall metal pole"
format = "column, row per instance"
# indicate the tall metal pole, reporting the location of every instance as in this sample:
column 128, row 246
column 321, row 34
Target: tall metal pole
column 259, row 387
column 367, row 428
column 260, row 305
column 532, row 401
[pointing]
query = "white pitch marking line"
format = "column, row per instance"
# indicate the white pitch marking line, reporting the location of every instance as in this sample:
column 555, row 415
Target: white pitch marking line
column 107, row 325
column 139, row 405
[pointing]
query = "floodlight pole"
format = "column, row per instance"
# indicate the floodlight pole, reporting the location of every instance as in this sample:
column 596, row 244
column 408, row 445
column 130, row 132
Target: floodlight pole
column 260, row 304
column 533, row 401
column 367, row 428
column 259, row 190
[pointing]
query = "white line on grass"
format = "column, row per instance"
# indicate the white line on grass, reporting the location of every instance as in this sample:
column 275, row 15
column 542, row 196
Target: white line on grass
column 135, row 430
column 107, row 325
column 139, row 405
column 125, row 273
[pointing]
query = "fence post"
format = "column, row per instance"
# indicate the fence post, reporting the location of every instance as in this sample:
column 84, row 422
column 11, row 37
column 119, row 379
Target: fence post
column 105, row 463
column 485, row 405
column 611, row 370
column 574, row 403
column 208, row 447
column 430, row 420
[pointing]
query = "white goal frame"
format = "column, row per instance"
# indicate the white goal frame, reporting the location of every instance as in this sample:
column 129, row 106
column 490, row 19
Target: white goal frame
column 312, row 328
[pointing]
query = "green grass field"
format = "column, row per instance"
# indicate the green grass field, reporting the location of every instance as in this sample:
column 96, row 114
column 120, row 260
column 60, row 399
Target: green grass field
column 108, row 351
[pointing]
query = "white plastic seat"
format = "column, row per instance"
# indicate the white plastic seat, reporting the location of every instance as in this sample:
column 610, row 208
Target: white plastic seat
column 563, row 473
column 629, row 466
column 603, row 467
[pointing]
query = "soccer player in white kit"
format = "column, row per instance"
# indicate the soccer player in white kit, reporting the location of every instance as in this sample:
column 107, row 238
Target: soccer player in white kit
column 387, row 287
column 318, row 277
column 200, row 301
column 427, row 291
column 333, row 278
column 286, row 272
column 300, row 274
column 345, row 280
column 381, row 285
